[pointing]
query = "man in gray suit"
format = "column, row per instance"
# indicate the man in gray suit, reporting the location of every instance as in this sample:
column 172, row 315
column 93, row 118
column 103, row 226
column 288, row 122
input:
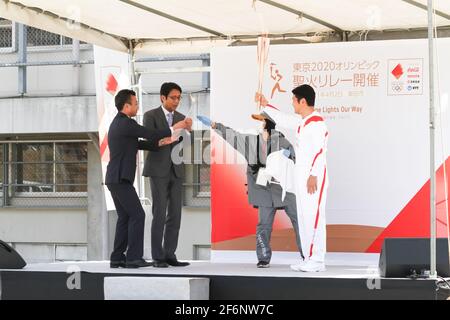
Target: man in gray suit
column 268, row 199
column 166, row 178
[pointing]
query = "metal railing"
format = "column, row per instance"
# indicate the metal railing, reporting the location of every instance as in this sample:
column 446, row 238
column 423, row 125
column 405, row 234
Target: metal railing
column 193, row 198
column 43, row 174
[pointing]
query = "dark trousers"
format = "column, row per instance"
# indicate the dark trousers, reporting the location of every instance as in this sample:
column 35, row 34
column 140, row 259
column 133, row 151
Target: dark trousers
column 130, row 223
column 166, row 209
column 265, row 226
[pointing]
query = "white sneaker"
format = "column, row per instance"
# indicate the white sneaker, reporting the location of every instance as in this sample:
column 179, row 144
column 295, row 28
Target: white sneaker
column 313, row 266
column 296, row 267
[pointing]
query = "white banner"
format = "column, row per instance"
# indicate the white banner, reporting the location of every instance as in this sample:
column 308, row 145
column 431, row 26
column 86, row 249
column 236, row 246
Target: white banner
column 374, row 98
column 112, row 74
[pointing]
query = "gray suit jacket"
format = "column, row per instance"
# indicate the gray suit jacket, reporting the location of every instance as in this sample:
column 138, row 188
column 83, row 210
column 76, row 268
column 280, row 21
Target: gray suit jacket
column 269, row 196
column 158, row 162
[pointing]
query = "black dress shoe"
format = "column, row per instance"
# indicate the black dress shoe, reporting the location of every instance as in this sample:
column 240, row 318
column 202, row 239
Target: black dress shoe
column 138, row 264
column 176, row 263
column 160, row 264
column 117, row 264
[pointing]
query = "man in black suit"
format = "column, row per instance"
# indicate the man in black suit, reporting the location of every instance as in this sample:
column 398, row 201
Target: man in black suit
column 166, row 178
column 123, row 144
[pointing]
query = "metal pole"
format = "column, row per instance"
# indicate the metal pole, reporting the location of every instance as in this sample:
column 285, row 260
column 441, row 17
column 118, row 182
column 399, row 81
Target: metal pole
column 76, row 66
column 204, row 56
column 44, row 64
column 140, row 179
column 135, row 86
column 140, row 152
column 22, row 57
column 206, row 76
column 433, row 272
column 174, row 70
column 5, row 174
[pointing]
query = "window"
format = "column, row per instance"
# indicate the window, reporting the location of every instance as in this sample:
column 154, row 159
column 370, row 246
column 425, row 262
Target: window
column 202, row 174
column 71, row 167
column 40, row 38
column 32, row 168
column 6, row 34
column 197, row 190
column 42, row 173
column 37, row 37
column 68, row 41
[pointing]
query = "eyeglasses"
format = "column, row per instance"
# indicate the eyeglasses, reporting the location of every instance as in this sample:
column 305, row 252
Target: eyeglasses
column 174, row 97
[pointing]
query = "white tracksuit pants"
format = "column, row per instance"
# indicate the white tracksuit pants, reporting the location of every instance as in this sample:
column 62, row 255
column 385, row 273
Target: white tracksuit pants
column 310, row 146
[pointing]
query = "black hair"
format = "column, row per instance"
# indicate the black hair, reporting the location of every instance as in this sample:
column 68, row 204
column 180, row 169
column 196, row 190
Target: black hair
column 166, row 87
column 122, row 97
column 269, row 125
column 307, row 92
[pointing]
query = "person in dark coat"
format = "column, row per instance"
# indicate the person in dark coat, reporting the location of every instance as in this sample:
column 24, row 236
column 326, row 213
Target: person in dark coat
column 124, row 143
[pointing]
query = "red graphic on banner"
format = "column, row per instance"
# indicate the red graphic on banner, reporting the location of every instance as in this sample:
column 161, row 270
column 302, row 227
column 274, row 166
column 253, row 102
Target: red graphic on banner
column 277, row 77
column 104, row 145
column 111, row 84
column 397, row 72
column 414, row 219
column 111, row 88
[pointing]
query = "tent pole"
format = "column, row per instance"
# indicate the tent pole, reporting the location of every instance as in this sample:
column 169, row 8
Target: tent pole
column 141, row 157
column 433, row 272
column 135, row 87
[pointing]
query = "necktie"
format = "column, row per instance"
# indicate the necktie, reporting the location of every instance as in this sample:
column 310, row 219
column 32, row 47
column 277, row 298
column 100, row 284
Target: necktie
column 264, row 150
column 170, row 119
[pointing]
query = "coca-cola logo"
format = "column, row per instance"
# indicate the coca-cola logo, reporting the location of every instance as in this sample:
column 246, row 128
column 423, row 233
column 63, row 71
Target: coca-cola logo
column 397, row 72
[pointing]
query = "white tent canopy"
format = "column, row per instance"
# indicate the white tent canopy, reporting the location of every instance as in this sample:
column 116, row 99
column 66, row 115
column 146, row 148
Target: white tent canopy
column 197, row 25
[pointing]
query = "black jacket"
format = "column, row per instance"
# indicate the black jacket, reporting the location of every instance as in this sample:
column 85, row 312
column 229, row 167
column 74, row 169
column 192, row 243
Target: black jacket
column 124, row 144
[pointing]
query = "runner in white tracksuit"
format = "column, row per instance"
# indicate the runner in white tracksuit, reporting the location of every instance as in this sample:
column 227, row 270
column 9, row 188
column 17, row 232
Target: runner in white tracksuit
column 310, row 146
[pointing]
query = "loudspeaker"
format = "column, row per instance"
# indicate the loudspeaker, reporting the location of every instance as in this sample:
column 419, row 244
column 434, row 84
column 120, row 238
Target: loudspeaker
column 9, row 258
column 402, row 257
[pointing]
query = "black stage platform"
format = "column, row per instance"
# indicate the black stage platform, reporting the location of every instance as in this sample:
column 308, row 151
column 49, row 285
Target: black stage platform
column 228, row 281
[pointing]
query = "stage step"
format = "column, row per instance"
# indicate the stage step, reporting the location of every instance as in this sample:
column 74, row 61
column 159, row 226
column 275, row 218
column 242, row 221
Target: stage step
column 156, row 288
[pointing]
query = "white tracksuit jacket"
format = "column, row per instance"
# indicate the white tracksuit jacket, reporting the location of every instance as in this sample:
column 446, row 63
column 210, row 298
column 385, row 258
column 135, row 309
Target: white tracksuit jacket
column 310, row 145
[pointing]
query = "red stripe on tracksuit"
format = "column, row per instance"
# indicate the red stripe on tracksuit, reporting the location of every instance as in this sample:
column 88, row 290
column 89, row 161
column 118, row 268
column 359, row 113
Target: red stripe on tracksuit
column 318, row 153
column 271, row 106
column 318, row 211
column 315, row 158
column 313, row 119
